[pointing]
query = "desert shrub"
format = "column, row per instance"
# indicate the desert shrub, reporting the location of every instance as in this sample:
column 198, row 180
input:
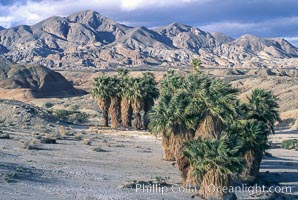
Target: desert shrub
column 78, row 136
column 71, row 116
column 290, row 144
column 4, row 135
column 47, row 139
column 86, row 141
column 48, row 105
column 31, row 145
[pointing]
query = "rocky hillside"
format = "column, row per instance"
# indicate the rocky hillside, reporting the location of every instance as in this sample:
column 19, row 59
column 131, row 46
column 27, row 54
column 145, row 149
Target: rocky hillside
column 37, row 80
column 88, row 39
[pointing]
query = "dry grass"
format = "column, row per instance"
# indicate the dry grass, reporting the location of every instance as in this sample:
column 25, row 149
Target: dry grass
column 31, row 145
column 48, row 139
column 86, row 141
column 78, row 136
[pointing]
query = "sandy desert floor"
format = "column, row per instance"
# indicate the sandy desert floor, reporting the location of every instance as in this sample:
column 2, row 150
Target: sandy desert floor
column 113, row 162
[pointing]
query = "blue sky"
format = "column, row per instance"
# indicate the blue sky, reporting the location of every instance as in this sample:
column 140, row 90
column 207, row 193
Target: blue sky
column 264, row 18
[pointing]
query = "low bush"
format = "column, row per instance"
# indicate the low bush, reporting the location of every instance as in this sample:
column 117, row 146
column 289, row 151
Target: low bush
column 73, row 117
column 290, row 144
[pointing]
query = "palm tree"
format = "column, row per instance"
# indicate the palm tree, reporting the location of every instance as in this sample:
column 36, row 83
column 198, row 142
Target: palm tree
column 254, row 135
column 257, row 121
column 126, row 93
column 106, row 91
column 151, row 93
column 214, row 162
column 212, row 107
column 101, row 92
column 137, row 102
column 263, row 106
column 214, row 102
column 170, row 118
column 115, row 101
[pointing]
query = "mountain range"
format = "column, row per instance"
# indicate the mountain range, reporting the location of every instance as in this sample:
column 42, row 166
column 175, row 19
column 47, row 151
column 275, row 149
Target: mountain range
column 87, row 39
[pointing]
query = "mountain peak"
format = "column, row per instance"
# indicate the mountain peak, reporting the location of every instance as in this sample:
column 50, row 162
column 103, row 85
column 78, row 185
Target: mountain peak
column 90, row 17
column 84, row 16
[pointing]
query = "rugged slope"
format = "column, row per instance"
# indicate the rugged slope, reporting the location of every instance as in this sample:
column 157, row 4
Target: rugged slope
column 88, row 39
column 36, row 80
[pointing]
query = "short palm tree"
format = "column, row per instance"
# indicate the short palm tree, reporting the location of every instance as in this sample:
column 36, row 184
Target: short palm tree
column 214, row 102
column 214, row 162
column 169, row 117
column 254, row 135
column 257, row 121
column 101, row 92
column 263, row 106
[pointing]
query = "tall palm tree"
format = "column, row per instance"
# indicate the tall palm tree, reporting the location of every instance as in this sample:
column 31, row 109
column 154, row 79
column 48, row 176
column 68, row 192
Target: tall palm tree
column 101, row 92
column 115, row 101
column 151, row 93
column 137, row 102
column 106, row 91
column 126, row 93
column 214, row 162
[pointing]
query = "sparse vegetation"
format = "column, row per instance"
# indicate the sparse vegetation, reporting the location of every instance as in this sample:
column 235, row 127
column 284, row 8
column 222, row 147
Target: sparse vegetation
column 86, row 141
column 31, row 145
column 290, row 144
column 71, row 116
column 4, row 135
column 48, row 139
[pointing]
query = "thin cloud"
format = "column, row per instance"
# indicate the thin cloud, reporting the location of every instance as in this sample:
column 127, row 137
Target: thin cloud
column 30, row 12
column 262, row 28
column 293, row 40
column 136, row 4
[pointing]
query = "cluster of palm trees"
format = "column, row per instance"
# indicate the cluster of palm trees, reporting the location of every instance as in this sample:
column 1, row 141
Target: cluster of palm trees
column 125, row 100
column 214, row 137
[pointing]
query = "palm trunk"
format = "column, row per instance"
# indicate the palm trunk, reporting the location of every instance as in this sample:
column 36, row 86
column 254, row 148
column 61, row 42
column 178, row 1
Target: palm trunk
column 104, row 105
column 168, row 155
column 210, row 128
column 212, row 185
column 183, row 163
column 137, row 107
column 115, row 111
column 253, row 161
column 126, row 112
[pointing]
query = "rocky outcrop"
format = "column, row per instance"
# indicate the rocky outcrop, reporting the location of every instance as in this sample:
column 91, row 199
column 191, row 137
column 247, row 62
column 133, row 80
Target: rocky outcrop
column 87, row 39
column 36, row 80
